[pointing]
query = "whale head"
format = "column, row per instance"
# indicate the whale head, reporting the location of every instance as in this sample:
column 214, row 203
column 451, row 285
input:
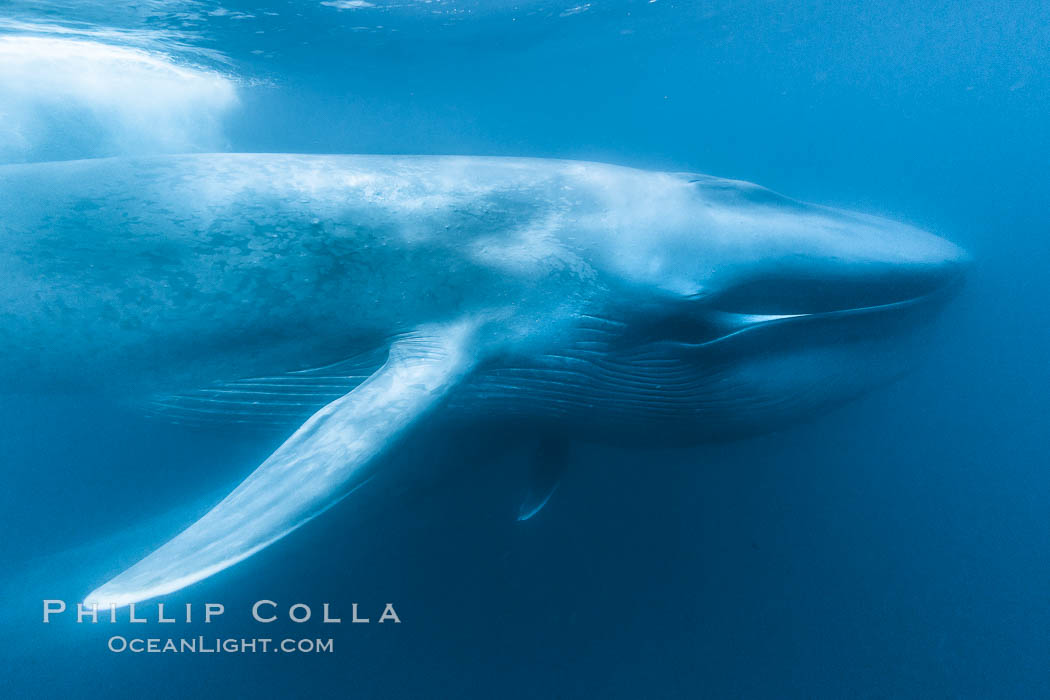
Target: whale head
column 739, row 310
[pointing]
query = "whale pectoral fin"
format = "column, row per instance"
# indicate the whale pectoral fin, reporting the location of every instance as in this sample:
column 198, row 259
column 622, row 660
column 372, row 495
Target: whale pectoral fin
column 329, row 456
column 545, row 471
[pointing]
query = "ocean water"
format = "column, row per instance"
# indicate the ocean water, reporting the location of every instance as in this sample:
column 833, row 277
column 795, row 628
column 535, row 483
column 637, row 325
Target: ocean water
column 898, row 546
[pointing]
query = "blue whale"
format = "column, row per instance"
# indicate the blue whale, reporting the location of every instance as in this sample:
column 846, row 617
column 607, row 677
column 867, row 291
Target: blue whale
column 348, row 298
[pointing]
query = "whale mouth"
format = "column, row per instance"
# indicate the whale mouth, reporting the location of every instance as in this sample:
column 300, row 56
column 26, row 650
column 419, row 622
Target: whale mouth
column 829, row 308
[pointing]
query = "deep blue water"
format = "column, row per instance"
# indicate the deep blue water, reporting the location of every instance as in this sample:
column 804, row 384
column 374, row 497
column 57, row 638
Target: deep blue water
column 899, row 546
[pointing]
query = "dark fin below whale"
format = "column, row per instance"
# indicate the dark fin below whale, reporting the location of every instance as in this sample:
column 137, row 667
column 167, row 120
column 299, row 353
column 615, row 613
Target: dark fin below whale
column 329, row 456
column 545, row 472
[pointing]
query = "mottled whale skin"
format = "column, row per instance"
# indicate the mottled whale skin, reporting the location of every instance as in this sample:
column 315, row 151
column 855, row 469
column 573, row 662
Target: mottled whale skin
column 348, row 297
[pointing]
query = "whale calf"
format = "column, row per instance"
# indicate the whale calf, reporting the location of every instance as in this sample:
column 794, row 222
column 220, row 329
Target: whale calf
column 347, row 298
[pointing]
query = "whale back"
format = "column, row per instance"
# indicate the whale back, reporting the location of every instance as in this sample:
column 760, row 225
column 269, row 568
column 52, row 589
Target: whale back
column 231, row 266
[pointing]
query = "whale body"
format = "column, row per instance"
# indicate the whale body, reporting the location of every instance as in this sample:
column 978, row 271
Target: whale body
column 347, row 298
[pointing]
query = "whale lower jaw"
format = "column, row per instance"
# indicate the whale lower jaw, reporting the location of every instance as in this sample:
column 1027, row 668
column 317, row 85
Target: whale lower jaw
column 753, row 373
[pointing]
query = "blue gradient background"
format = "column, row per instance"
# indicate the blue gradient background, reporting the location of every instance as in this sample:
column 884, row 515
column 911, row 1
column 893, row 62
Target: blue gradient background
column 897, row 547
